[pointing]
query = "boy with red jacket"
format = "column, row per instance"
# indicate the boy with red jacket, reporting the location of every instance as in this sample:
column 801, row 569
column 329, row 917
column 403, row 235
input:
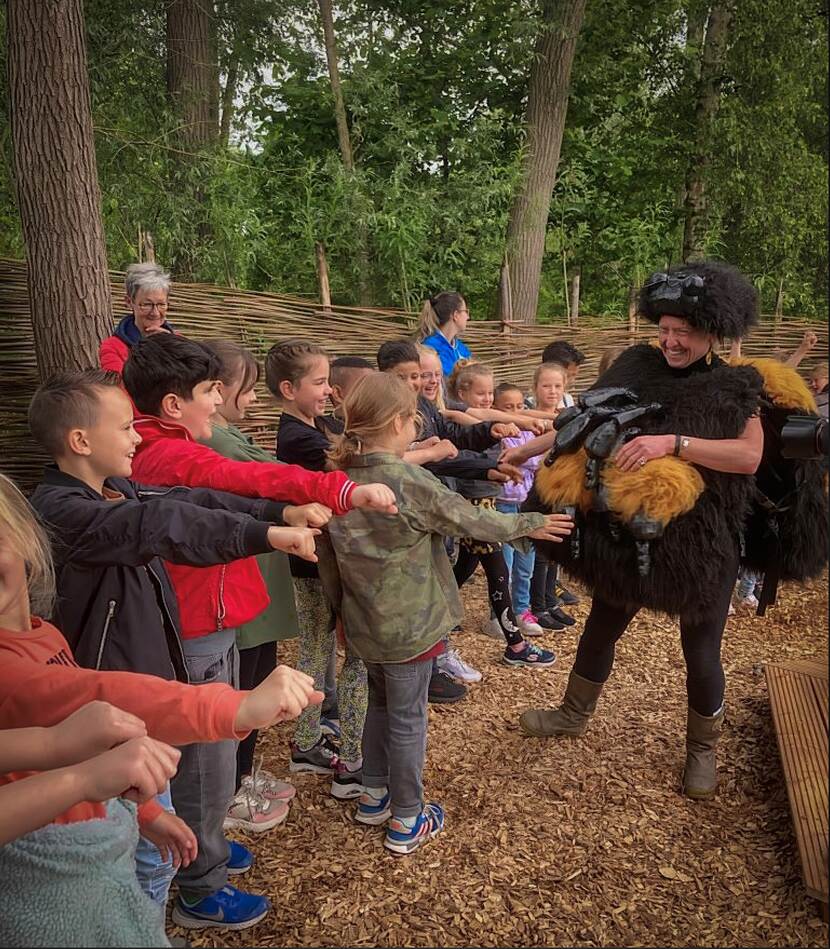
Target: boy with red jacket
column 173, row 383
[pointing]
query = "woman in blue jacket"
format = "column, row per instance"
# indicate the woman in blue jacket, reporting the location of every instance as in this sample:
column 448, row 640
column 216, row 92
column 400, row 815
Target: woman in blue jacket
column 444, row 318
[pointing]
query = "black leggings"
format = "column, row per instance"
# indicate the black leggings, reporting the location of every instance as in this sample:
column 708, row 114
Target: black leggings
column 498, row 586
column 700, row 639
column 255, row 665
column 543, row 585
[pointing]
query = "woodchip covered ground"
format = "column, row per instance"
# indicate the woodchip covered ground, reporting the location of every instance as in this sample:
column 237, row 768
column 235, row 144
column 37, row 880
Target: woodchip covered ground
column 563, row 842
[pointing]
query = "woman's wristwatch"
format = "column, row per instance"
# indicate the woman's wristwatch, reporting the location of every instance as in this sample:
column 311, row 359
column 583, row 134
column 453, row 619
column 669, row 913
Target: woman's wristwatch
column 680, row 443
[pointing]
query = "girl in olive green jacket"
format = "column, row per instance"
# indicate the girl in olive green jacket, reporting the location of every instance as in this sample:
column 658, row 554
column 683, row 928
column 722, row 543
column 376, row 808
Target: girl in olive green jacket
column 390, row 581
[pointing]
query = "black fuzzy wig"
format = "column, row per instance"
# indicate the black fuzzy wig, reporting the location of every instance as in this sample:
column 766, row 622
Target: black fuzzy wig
column 710, row 295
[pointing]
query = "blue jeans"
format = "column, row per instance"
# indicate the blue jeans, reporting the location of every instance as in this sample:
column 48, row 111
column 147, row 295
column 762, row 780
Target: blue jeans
column 154, row 874
column 519, row 566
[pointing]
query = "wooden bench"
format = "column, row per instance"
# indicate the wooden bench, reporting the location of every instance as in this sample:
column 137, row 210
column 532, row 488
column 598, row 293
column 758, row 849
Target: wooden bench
column 798, row 698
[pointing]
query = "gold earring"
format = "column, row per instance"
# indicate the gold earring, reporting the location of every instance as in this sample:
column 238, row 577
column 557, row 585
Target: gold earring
column 709, row 358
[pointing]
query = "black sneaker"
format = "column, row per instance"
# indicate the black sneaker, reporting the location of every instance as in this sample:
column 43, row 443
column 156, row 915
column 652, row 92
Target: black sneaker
column 557, row 613
column 443, row 689
column 547, row 621
column 565, row 596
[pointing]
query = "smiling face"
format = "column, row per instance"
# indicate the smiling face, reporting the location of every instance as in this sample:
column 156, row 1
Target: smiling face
column 197, row 412
column 509, row 400
column 307, row 398
column 479, row 393
column 235, row 403
column 149, row 308
column 681, row 343
column 550, row 388
column 410, row 373
column 818, row 380
column 108, row 444
column 431, row 375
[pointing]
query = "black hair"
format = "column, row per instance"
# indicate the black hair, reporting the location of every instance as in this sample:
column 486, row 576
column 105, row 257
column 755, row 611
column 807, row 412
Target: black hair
column 437, row 311
column 65, row 401
column 351, row 362
column 721, row 301
column 395, row 351
column 503, row 387
column 563, row 352
column 164, row 363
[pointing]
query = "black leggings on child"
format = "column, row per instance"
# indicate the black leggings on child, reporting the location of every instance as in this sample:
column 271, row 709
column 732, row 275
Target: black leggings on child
column 700, row 639
column 543, row 585
column 255, row 665
column 498, row 586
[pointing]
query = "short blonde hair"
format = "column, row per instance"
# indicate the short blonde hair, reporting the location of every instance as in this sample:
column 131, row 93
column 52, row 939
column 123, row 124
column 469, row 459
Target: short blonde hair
column 550, row 367
column 21, row 529
column 463, row 373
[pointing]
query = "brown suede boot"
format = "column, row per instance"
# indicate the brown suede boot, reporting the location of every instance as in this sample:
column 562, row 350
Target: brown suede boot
column 571, row 718
column 700, row 776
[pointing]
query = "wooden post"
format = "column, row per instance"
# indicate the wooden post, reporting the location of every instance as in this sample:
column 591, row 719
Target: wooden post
column 779, row 301
column 140, row 245
column 505, row 297
column 574, row 313
column 323, row 276
column 632, row 310
column 149, row 248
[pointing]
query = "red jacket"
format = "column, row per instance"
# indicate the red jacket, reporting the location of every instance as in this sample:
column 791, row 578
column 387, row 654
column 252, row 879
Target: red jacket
column 225, row 596
column 113, row 353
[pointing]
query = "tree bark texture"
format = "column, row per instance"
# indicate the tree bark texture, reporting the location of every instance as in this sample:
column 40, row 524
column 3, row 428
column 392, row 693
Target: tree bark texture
column 57, row 182
column 547, row 106
column 192, row 70
column 228, row 98
column 708, row 101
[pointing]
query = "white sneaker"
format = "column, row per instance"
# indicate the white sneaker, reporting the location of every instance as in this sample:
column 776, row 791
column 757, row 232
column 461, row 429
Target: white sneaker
column 251, row 811
column 529, row 625
column 452, row 663
column 269, row 786
column 750, row 601
column 490, row 627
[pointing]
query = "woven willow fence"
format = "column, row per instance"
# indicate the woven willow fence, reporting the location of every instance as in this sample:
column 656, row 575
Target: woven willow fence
column 202, row 311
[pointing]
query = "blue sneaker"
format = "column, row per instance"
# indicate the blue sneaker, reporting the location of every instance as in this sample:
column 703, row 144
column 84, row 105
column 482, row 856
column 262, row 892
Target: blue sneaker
column 241, row 859
column 372, row 811
column 227, row 908
column 403, row 840
column 529, row 655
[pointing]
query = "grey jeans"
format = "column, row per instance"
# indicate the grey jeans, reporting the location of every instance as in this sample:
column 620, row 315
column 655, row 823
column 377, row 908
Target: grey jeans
column 395, row 733
column 204, row 784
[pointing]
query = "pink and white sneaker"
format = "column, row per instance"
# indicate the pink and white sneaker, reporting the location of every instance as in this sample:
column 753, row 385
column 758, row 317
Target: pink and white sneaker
column 529, row 624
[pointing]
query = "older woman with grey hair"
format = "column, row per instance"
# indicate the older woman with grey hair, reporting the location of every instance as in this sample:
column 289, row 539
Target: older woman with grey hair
column 147, row 287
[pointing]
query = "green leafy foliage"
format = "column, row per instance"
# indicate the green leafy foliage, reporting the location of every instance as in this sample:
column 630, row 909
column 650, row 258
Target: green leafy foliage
column 435, row 95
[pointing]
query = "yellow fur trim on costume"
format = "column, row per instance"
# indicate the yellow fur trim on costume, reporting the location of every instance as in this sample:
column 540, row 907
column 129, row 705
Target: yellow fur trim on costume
column 663, row 489
column 782, row 384
column 564, row 481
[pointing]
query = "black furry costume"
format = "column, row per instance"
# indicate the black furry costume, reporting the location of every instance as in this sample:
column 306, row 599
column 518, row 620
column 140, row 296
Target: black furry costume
column 778, row 519
column 707, row 401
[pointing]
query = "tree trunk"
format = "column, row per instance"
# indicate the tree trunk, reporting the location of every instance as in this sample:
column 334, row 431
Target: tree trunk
column 323, row 276
column 193, row 90
column 546, row 108
column 708, row 101
column 57, row 182
column 228, row 97
column 575, row 297
column 345, row 143
column 505, row 297
column 633, row 298
column 191, row 70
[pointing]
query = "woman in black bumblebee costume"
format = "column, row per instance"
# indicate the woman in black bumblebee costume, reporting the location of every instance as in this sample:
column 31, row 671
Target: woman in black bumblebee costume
column 657, row 461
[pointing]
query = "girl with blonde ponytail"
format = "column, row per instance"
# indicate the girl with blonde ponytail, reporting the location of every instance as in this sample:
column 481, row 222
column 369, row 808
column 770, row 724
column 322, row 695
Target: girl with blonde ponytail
column 391, row 584
column 443, row 320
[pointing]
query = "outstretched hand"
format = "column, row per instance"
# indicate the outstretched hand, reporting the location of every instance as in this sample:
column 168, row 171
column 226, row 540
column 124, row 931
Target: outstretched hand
column 137, row 770
column 282, row 696
column 307, row 515
column 90, row 730
column 375, row 497
column 556, row 528
column 298, row 541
